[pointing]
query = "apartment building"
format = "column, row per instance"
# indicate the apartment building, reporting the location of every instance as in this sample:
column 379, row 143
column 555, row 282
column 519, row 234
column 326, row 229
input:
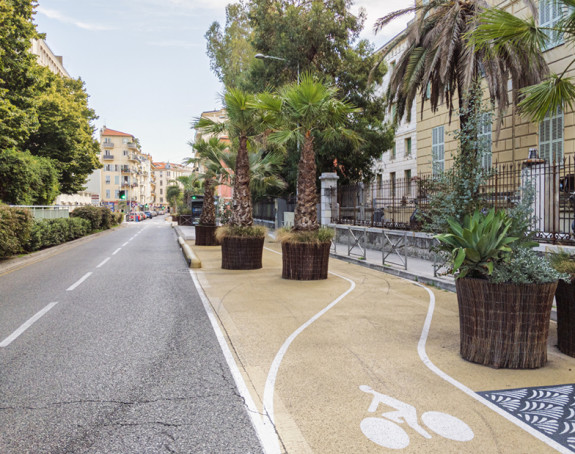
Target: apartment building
column 126, row 176
column 47, row 58
column 396, row 167
column 166, row 174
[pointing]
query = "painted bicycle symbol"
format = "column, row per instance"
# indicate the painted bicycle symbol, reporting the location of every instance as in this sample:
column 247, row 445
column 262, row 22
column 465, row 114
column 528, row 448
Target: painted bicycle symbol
column 387, row 432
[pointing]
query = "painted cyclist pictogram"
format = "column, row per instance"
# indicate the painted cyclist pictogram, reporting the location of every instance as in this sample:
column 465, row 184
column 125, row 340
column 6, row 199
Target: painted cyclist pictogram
column 386, row 430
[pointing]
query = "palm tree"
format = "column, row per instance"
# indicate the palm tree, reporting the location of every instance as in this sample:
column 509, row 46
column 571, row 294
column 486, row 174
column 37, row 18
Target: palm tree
column 441, row 64
column 172, row 195
column 209, row 156
column 244, row 122
column 501, row 30
column 264, row 169
column 304, row 112
column 192, row 186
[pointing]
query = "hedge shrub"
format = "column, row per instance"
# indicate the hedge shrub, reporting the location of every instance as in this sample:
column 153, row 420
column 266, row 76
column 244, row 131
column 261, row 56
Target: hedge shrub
column 15, row 227
column 51, row 232
column 101, row 218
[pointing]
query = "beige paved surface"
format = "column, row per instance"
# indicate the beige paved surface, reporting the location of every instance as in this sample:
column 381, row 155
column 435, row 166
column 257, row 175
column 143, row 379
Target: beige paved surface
column 369, row 338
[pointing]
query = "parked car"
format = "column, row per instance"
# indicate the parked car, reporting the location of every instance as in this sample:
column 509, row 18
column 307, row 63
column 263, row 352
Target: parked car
column 148, row 214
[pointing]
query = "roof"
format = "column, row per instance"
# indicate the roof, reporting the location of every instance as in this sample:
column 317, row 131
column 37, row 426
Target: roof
column 111, row 132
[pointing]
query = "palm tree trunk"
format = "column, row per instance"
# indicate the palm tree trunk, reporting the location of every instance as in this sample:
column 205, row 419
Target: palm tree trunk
column 208, row 216
column 242, row 214
column 305, row 217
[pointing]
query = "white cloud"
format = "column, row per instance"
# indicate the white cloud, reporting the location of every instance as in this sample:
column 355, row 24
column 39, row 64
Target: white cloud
column 376, row 9
column 56, row 15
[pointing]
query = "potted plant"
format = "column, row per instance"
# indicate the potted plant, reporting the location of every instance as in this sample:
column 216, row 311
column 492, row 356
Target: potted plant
column 304, row 112
column 564, row 262
column 209, row 157
column 504, row 291
column 242, row 243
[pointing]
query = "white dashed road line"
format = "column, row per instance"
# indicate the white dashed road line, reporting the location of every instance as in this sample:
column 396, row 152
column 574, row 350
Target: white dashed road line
column 26, row 325
column 79, row 281
column 116, row 251
column 103, row 262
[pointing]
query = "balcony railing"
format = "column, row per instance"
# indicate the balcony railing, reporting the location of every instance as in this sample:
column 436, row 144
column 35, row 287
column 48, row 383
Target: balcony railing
column 132, row 145
column 108, row 157
column 132, row 157
column 108, row 144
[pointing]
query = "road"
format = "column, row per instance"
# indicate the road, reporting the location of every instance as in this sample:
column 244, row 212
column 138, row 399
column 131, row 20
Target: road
column 106, row 348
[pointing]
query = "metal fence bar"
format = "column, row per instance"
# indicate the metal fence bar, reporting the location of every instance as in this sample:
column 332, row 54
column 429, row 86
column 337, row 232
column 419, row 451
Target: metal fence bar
column 392, row 203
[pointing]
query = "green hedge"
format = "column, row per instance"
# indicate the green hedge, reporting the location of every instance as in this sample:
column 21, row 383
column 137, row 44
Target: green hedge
column 51, row 232
column 15, row 227
column 19, row 232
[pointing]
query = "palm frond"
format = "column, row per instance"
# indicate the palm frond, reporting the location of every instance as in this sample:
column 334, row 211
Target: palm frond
column 553, row 93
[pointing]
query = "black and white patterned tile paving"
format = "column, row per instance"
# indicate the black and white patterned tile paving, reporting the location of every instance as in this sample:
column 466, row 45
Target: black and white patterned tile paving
column 548, row 409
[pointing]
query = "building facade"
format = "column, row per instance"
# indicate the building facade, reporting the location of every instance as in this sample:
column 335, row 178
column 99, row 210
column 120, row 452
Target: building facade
column 126, row 175
column 166, row 174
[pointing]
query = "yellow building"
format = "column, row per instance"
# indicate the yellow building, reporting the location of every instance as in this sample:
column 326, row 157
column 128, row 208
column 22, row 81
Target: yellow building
column 553, row 139
column 166, row 174
column 126, row 174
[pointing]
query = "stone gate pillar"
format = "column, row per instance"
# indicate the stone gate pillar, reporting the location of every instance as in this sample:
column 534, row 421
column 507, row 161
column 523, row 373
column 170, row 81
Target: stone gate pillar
column 328, row 202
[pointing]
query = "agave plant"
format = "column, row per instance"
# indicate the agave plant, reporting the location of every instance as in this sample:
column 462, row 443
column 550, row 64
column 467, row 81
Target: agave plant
column 478, row 244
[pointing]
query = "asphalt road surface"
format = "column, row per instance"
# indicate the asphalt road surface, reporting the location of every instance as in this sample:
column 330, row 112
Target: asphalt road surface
column 106, row 348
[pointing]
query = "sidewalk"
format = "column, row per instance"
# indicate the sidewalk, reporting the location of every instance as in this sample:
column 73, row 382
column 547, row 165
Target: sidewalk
column 365, row 360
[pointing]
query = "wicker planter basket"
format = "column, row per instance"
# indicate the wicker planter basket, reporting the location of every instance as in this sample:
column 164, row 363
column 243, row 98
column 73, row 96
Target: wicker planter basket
column 305, row 261
column 565, row 297
column 242, row 253
column 504, row 325
column 206, row 235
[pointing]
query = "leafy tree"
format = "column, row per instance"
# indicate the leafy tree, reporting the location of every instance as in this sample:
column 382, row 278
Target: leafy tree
column 173, row 193
column 502, row 30
column 27, row 179
column 441, row 61
column 18, row 67
column 320, row 37
column 305, row 112
column 192, row 186
column 65, row 130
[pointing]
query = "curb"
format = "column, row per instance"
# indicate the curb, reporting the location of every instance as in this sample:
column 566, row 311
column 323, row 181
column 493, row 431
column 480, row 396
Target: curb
column 190, row 256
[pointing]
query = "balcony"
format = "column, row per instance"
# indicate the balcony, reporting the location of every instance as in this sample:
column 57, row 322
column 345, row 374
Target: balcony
column 132, row 145
column 108, row 157
column 108, row 144
column 125, row 184
column 132, row 157
column 126, row 170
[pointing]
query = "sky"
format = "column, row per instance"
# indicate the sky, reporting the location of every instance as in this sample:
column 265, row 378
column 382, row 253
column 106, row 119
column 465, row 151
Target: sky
column 144, row 62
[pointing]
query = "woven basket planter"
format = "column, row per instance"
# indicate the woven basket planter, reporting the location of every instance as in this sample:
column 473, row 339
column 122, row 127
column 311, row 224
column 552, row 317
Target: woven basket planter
column 565, row 297
column 206, row 235
column 305, row 261
column 242, row 253
column 504, row 325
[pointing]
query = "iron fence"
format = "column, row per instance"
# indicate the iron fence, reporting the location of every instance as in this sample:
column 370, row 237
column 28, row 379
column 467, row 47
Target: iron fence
column 395, row 203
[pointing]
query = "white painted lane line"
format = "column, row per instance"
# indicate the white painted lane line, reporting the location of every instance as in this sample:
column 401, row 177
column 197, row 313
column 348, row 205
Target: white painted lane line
column 26, row 325
column 264, row 429
column 79, row 281
column 103, row 262
column 125, row 244
column 268, row 399
column 116, row 251
column 468, row 391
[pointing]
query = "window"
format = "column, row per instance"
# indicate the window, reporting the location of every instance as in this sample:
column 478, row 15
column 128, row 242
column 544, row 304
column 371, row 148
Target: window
column 408, row 147
column 407, row 177
column 394, row 113
column 107, row 193
column 161, row 182
column 116, row 194
column 551, row 137
column 550, row 13
column 125, row 152
column 125, row 140
column 437, row 150
column 108, row 167
column 393, row 151
column 107, row 140
column 161, row 191
column 484, row 139
column 117, row 167
column 392, row 183
column 167, row 174
column 107, row 179
column 117, row 179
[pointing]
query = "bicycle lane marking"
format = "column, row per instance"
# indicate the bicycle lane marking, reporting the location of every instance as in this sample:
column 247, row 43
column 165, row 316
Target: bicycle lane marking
column 264, row 428
column 429, row 364
column 269, row 389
